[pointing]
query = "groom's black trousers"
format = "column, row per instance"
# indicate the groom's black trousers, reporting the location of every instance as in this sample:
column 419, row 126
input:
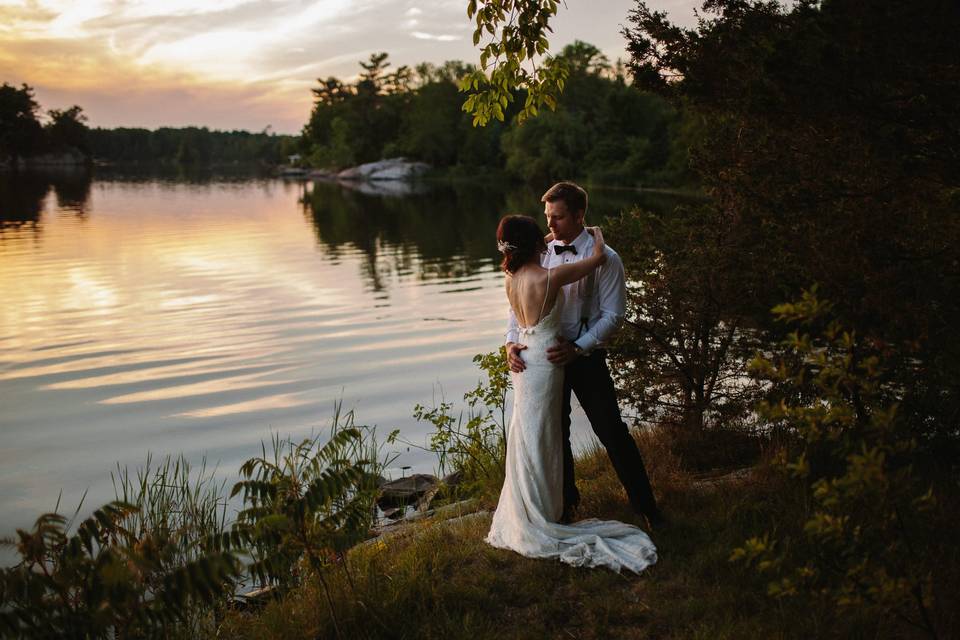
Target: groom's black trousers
column 589, row 378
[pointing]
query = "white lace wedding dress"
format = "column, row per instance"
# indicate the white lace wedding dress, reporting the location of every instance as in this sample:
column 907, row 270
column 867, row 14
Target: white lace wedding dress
column 531, row 500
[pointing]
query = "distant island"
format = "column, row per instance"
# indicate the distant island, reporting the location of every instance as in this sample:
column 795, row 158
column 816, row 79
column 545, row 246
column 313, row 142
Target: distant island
column 65, row 140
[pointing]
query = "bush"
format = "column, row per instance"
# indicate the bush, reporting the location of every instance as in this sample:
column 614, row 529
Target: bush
column 307, row 503
column 869, row 502
column 475, row 448
column 104, row 581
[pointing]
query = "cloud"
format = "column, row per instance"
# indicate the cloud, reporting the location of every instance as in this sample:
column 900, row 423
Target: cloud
column 229, row 64
column 420, row 35
column 23, row 18
column 224, row 107
column 115, row 90
column 224, row 63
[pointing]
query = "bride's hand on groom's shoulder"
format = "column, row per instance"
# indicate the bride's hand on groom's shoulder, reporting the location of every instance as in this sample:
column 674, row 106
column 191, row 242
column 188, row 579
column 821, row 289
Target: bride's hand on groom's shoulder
column 598, row 243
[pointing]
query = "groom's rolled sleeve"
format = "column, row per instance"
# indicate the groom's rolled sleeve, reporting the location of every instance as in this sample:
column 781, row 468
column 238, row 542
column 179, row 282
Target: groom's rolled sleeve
column 612, row 303
column 513, row 328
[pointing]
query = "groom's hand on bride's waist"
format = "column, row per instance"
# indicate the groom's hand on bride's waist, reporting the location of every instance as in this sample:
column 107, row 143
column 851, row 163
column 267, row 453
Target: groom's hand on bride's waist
column 514, row 361
column 564, row 352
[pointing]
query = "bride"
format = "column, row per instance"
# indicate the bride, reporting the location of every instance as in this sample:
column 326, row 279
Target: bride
column 531, row 501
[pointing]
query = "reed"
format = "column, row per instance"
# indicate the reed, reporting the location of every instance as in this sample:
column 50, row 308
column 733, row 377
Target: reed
column 173, row 499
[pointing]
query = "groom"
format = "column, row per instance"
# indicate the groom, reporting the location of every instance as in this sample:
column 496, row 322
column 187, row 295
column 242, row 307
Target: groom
column 592, row 310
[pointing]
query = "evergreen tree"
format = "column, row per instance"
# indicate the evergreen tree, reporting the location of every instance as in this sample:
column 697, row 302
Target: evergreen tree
column 20, row 130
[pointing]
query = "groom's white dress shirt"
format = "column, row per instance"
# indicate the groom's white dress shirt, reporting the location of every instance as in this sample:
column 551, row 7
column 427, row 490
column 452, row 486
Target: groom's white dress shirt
column 607, row 306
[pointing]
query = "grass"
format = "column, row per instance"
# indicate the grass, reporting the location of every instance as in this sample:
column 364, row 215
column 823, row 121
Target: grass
column 439, row 579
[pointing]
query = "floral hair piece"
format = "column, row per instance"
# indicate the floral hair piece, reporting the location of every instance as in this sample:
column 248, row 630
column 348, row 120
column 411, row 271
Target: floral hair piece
column 504, row 246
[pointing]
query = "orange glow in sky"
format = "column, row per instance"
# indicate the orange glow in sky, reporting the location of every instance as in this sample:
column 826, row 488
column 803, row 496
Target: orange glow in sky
column 242, row 64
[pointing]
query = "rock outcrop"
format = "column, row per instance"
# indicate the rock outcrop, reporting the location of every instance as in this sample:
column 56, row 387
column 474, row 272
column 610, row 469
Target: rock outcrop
column 389, row 169
column 407, row 491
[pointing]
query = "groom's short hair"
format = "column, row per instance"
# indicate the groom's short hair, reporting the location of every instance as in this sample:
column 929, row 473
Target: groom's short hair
column 570, row 193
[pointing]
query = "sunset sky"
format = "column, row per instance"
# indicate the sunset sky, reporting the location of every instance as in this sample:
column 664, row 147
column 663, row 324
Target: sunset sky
column 243, row 64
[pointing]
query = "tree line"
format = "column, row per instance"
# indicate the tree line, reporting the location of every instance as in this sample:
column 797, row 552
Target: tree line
column 603, row 129
column 190, row 146
column 23, row 135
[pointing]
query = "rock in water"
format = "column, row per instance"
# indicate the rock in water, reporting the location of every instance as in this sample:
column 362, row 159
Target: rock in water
column 406, row 490
column 453, row 479
column 390, row 169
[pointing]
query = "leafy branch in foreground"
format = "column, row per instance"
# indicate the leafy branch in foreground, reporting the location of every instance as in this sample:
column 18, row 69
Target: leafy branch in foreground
column 517, row 38
column 101, row 581
column 857, row 550
column 307, row 503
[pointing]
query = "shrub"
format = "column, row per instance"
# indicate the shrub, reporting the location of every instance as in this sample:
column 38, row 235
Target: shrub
column 307, row 503
column 475, row 448
column 104, row 581
column 870, row 503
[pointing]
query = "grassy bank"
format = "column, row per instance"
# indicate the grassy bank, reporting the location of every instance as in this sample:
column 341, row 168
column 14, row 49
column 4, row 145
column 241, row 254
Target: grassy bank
column 755, row 548
column 438, row 579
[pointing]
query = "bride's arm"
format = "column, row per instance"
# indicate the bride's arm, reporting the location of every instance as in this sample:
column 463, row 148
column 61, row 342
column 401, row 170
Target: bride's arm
column 567, row 273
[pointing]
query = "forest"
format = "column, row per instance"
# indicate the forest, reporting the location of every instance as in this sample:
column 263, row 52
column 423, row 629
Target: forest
column 604, row 130
column 26, row 131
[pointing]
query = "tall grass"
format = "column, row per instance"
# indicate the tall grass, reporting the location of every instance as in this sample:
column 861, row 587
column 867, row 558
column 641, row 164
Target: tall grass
column 184, row 507
column 129, row 570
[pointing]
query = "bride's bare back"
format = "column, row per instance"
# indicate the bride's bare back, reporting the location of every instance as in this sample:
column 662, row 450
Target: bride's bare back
column 528, row 294
column 532, row 291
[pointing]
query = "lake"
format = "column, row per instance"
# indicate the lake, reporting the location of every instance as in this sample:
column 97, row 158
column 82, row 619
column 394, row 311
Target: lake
column 201, row 313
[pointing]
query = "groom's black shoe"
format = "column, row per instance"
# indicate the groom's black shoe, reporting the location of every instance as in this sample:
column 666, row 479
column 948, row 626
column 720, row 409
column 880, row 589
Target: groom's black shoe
column 656, row 520
column 569, row 514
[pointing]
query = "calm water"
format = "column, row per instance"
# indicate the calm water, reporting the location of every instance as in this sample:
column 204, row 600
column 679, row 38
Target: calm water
column 200, row 315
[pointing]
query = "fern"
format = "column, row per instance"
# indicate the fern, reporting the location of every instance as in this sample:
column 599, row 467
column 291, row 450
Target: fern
column 306, row 505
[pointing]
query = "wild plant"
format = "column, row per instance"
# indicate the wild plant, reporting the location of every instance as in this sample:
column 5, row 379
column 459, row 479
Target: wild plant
column 182, row 510
column 475, row 447
column 307, row 503
column 103, row 581
column 858, row 550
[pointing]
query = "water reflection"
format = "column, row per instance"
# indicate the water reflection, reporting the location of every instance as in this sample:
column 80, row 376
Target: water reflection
column 197, row 316
column 181, row 174
column 73, row 193
column 449, row 230
column 450, row 227
column 23, row 196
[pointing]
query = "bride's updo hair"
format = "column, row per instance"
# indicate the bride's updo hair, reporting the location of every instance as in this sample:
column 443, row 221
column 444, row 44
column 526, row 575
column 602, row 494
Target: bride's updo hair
column 520, row 240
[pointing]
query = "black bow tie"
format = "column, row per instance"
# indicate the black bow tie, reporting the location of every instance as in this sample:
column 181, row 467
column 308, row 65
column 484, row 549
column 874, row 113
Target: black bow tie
column 560, row 248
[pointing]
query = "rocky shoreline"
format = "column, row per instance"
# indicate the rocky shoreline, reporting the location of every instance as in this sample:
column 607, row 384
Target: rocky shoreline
column 391, row 176
column 402, row 505
column 69, row 159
